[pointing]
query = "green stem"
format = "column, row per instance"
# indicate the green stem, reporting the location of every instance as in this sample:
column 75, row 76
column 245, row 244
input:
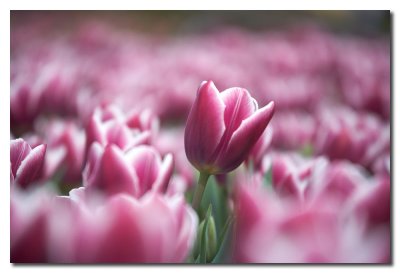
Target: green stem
column 200, row 187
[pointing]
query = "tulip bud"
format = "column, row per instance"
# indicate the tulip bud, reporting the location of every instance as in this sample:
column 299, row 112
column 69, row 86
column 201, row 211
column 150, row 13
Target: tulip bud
column 207, row 237
column 222, row 128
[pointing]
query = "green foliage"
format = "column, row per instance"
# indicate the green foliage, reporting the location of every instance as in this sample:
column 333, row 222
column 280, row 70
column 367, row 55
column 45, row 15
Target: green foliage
column 307, row 150
column 214, row 231
column 268, row 179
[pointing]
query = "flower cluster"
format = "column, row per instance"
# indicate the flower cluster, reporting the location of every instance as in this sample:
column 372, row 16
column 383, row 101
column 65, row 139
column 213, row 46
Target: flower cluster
column 110, row 143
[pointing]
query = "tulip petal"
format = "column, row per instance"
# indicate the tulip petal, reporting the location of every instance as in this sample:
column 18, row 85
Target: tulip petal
column 205, row 125
column 31, row 166
column 239, row 106
column 164, row 174
column 122, row 241
column 94, row 133
column 116, row 174
column 19, row 149
column 146, row 162
column 244, row 138
column 92, row 165
column 117, row 134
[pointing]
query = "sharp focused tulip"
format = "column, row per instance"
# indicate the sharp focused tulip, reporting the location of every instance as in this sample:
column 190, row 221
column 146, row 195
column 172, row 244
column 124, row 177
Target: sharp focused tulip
column 26, row 163
column 223, row 127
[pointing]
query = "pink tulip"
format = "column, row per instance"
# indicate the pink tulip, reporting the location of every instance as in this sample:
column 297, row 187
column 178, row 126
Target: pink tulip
column 153, row 229
column 259, row 150
column 28, row 225
column 316, row 179
column 83, row 228
column 26, row 163
column 343, row 133
column 172, row 141
column 110, row 126
column 65, row 148
column 374, row 202
column 135, row 171
column 222, row 128
column 120, row 229
column 272, row 230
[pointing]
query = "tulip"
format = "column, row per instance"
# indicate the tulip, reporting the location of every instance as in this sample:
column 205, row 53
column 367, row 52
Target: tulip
column 28, row 229
column 136, row 171
column 255, row 159
column 65, row 148
column 271, row 230
column 26, row 163
column 122, row 229
column 111, row 126
column 223, row 127
column 221, row 130
column 153, row 229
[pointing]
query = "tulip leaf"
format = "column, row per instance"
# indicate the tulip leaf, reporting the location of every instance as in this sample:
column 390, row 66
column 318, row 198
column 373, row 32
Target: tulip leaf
column 203, row 240
column 307, row 150
column 224, row 245
column 268, row 179
column 214, row 194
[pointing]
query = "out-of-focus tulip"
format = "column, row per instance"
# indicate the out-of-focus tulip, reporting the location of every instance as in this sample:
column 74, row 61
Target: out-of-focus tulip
column 135, row 171
column 271, row 230
column 110, row 126
column 344, row 134
column 28, row 225
column 26, row 163
column 65, row 149
column 374, row 202
column 314, row 179
column 258, row 151
column 122, row 229
column 223, row 127
column 153, row 229
column 292, row 130
column 172, row 141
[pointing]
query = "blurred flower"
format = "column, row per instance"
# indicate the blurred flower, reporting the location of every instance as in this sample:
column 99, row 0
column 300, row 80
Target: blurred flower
column 65, row 149
column 135, row 171
column 171, row 140
column 258, row 151
column 111, row 126
column 28, row 225
column 311, row 180
column 293, row 130
column 26, row 163
column 344, row 134
column 363, row 69
column 153, row 229
column 271, row 230
column 223, row 127
column 120, row 229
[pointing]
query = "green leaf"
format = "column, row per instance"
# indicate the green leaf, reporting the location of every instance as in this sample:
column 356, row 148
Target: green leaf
column 203, row 240
column 214, row 194
column 307, row 150
column 268, row 179
column 224, row 246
